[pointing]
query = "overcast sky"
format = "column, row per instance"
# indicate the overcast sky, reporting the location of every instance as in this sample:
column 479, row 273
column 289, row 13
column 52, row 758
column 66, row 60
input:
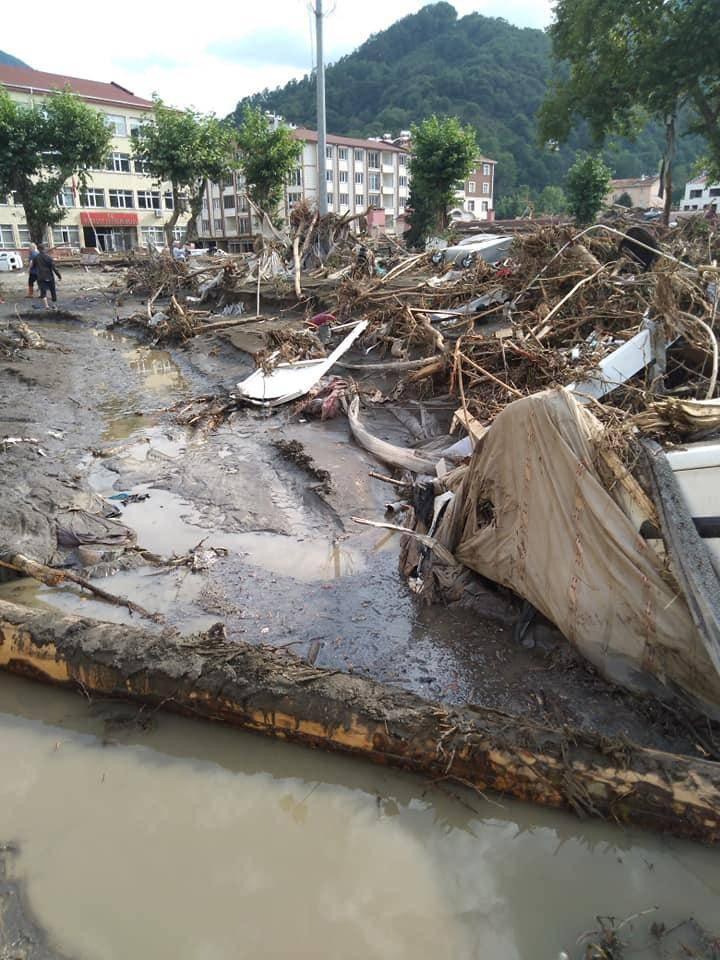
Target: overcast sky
column 209, row 54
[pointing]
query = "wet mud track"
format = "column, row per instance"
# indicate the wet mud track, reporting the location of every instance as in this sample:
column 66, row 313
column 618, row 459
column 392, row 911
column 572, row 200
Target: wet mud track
column 290, row 568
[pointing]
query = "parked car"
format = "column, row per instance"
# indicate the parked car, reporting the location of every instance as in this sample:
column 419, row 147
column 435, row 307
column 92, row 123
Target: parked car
column 10, row 260
column 486, row 246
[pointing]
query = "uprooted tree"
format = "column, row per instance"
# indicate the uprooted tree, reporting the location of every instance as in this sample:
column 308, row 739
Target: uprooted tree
column 629, row 60
column 268, row 155
column 443, row 151
column 43, row 145
column 185, row 148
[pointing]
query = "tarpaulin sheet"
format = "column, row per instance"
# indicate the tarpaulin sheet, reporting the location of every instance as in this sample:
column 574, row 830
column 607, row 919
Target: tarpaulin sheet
column 531, row 513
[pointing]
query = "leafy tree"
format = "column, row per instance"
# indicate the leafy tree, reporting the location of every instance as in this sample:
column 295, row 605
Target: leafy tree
column 624, row 200
column 443, row 152
column 586, row 186
column 43, row 145
column 630, row 59
column 267, row 157
column 552, row 200
column 185, row 148
column 516, row 204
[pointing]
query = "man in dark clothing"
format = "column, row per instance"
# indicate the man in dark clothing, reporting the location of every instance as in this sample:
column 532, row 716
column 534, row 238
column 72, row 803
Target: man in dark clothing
column 45, row 268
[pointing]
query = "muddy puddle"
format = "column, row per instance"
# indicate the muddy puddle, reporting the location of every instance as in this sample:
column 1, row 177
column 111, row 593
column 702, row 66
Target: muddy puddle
column 140, row 835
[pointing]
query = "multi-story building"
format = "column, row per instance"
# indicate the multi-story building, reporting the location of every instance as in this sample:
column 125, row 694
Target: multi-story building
column 700, row 194
column 475, row 195
column 121, row 207
column 359, row 174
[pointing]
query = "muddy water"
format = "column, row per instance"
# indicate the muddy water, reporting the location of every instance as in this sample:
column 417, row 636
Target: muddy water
column 185, row 840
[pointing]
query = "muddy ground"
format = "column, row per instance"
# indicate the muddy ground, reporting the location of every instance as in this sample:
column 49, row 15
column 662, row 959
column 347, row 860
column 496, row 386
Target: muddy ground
column 291, row 568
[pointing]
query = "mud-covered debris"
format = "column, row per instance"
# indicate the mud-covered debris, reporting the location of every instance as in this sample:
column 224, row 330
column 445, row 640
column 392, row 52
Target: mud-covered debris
column 295, row 452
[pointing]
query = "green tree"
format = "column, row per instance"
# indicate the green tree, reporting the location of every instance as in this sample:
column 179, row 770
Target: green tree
column 268, row 155
column 443, row 152
column 552, row 200
column 624, row 200
column 630, row 59
column 519, row 203
column 185, row 148
column 586, row 185
column 43, row 145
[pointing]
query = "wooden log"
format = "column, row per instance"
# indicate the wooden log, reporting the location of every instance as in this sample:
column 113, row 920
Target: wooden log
column 264, row 690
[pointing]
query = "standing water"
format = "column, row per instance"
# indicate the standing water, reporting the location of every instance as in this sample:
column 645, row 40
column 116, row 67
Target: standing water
column 139, row 834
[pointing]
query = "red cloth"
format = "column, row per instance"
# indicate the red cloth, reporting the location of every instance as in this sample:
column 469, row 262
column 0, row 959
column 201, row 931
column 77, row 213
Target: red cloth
column 320, row 319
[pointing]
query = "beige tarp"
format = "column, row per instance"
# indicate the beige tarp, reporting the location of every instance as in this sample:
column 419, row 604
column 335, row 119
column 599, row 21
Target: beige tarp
column 531, row 513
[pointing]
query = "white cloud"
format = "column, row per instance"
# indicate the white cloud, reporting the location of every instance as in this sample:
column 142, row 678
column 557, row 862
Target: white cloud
column 211, row 57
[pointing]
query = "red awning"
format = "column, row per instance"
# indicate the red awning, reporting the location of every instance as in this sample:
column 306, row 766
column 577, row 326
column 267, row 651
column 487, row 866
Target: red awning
column 92, row 219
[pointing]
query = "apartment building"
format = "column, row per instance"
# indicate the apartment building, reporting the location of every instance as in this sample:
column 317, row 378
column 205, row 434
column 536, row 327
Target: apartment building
column 360, row 174
column 700, row 194
column 121, row 207
column 475, row 195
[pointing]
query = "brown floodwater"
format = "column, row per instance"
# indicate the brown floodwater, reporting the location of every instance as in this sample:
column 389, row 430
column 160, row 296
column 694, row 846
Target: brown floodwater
column 190, row 841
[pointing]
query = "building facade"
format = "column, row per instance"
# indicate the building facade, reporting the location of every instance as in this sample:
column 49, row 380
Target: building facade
column 121, row 207
column 359, row 174
column 701, row 195
column 474, row 197
column 643, row 192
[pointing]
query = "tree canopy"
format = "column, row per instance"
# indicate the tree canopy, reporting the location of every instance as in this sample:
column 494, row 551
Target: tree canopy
column 267, row 156
column 43, row 145
column 443, row 152
column 586, row 186
column 185, row 148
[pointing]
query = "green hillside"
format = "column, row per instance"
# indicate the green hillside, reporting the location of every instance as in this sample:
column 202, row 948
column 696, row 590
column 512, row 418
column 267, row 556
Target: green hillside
column 484, row 70
column 10, row 60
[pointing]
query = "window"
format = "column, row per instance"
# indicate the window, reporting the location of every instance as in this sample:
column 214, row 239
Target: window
column 686, row 206
column 242, row 204
column 695, row 193
column 7, row 237
column 472, row 186
column 342, row 153
column 343, row 176
column 92, row 197
column 359, row 178
column 216, row 203
column 244, row 225
column 227, row 184
column 359, row 156
column 374, row 181
column 148, row 199
column 402, row 181
column 294, row 197
column 23, row 234
column 218, row 226
column 329, row 175
column 67, row 235
column 344, row 199
column 205, row 226
column 330, row 199
column 715, row 191
column 329, row 152
column 402, row 159
column 119, row 162
column 359, row 199
column 117, row 124
column 295, row 179
column 178, row 233
column 387, row 158
column 133, row 125
column 373, row 158
column 152, row 235
column 141, row 167
column 486, row 188
column 121, row 198
column 229, row 202
column 486, row 169
column 169, row 200
column 66, row 197
column 484, row 205
column 471, row 205
column 374, row 199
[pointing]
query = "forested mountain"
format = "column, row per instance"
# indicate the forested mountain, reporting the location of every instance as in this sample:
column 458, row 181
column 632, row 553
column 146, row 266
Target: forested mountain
column 10, row 60
column 484, row 70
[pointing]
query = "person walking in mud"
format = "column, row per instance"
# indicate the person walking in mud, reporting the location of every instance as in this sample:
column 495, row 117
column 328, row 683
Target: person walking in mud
column 46, row 273
column 32, row 272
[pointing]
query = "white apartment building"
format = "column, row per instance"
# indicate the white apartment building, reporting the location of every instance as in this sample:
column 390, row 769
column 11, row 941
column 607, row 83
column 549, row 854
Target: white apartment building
column 701, row 195
column 360, row 174
column 122, row 207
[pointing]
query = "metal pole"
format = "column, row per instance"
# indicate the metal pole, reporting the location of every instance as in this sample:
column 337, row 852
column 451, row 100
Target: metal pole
column 322, row 132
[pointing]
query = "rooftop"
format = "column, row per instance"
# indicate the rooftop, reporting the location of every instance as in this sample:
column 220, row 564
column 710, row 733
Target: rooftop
column 25, row 80
column 635, row 182
column 302, row 133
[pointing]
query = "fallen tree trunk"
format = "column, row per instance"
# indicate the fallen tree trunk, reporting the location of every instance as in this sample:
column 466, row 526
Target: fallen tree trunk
column 262, row 689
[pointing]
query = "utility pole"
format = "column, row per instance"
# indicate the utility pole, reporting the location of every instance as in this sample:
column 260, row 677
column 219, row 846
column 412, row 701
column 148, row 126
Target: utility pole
column 322, row 132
